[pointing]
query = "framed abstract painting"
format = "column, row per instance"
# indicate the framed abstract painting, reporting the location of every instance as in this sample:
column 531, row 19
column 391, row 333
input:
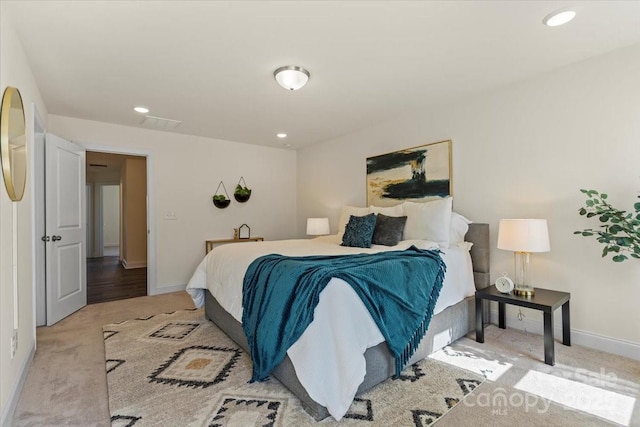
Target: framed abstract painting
column 415, row 174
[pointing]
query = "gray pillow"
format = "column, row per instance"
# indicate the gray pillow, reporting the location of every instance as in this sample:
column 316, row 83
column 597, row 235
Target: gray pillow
column 388, row 230
column 359, row 231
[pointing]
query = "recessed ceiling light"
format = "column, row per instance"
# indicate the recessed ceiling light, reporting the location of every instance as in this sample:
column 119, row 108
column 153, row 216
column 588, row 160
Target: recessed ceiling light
column 559, row 17
column 281, row 135
column 142, row 110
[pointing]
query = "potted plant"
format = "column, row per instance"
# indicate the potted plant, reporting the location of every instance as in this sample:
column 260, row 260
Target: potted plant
column 619, row 230
column 242, row 193
column 220, row 200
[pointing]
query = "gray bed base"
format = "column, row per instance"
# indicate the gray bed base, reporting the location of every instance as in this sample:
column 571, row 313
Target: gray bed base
column 455, row 322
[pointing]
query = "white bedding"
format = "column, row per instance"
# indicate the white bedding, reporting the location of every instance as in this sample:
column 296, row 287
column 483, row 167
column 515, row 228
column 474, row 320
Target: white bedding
column 330, row 370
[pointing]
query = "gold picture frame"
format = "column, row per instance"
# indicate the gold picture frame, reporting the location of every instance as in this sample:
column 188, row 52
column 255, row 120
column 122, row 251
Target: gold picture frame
column 416, row 174
column 13, row 143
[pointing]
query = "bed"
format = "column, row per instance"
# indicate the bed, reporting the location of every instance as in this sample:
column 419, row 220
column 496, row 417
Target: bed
column 452, row 320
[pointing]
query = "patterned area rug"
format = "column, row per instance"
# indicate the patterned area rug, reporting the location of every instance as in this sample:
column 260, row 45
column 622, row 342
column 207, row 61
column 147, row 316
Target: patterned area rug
column 179, row 369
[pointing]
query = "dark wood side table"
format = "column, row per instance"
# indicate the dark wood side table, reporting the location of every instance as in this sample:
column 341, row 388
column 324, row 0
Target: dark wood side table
column 544, row 300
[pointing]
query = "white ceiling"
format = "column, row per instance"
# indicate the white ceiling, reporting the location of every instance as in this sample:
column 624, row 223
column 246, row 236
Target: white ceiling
column 210, row 64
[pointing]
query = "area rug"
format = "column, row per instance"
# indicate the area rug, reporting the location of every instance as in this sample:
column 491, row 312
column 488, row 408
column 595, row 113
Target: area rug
column 179, row 369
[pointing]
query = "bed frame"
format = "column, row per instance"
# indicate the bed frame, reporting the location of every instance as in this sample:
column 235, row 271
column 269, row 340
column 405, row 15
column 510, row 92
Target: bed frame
column 447, row 326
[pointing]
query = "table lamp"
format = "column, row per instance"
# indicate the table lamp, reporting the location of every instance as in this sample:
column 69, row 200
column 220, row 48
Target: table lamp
column 523, row 237
column 317, row 226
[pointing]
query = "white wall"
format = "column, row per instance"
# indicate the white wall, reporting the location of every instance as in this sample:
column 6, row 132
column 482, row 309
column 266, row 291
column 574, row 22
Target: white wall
column 134, row 213
column 187, row 170
column 522, row 151
column 15, row 71
column 111, row 215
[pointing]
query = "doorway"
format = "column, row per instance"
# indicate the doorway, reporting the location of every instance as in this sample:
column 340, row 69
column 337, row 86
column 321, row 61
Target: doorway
column 116, row 226
column 44, row 285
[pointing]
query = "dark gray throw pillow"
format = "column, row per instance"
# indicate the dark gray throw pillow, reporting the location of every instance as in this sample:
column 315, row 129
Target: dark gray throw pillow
column 388, row 230
column 359, row 231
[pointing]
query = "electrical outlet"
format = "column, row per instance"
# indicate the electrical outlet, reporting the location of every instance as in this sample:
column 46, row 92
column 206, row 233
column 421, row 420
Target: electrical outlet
column 14, row 343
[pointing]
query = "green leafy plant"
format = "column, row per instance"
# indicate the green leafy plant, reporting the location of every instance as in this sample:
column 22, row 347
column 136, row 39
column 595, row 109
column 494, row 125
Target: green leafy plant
column 620, row 230
column 219, row 198
column 242, row 191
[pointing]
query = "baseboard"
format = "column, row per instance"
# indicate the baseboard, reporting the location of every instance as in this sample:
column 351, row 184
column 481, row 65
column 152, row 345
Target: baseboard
column 587, row 339
column 133, row 264
column 170, row 288
column 12, row 402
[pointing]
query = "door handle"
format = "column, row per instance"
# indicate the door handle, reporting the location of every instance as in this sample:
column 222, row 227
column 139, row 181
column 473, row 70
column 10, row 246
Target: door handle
column 45, row 238
column 56, row 238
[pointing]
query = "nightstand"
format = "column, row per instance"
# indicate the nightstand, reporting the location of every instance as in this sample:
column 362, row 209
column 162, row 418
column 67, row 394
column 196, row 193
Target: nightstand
column 209, row 244
column 544, row 300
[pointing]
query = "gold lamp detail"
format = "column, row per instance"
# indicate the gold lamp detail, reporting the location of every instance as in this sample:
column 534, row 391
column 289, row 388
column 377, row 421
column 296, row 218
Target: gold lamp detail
column 523, row 237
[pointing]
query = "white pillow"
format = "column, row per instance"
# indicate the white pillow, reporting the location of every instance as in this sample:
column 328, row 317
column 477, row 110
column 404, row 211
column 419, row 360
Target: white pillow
column 429, row 221
column 346, row 212
column 396, row 210
column 458, row 229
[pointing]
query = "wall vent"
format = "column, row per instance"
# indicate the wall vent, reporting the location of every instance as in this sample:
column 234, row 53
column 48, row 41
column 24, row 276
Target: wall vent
column 160, row 123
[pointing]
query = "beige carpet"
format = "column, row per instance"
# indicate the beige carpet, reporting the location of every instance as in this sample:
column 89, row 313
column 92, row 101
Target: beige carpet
column 67, row 381
column 180, row 369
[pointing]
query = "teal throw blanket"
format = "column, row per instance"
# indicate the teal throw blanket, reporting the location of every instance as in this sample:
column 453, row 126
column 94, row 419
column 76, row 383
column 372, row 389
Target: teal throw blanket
column 280, row 293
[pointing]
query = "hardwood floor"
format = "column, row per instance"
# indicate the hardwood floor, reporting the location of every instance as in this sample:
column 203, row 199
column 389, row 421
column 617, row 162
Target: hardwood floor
column 108, row 280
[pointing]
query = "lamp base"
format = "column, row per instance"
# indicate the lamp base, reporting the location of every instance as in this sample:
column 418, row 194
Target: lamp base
column 524, row 292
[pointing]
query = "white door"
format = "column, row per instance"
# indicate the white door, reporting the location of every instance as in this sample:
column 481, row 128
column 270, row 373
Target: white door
column 65, row 211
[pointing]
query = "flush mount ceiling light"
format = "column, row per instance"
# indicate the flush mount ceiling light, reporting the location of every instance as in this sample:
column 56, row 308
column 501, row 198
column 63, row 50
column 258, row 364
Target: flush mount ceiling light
column 141, row 110
column 559, row 17
column 281, row 135
column 291, row 77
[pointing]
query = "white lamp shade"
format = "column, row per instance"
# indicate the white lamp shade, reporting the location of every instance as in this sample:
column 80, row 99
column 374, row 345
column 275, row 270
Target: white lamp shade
column 317, row 226
column 523, row 235
column 291, row 77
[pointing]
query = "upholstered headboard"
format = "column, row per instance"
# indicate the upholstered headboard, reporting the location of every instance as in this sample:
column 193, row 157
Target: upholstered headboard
column 478, row 234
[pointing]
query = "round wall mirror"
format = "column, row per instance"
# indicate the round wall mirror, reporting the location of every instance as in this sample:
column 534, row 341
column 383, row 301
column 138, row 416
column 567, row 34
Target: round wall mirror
column 13, row 142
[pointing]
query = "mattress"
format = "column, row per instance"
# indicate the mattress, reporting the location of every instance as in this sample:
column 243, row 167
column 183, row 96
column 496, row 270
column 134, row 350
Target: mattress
column 329, row 357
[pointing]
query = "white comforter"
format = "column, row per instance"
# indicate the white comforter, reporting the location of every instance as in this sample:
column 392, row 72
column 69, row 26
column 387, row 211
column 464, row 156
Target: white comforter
column 329, row 356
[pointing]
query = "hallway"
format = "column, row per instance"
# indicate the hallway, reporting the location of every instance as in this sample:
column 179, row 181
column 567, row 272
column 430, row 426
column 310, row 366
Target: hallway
column 108, row 280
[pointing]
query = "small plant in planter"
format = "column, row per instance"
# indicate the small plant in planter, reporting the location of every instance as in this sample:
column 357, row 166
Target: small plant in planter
column 220, row 200
column 242, row 193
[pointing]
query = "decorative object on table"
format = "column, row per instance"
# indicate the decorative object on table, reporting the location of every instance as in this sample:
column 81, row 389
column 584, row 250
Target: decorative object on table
column 244, row 231
column 504, row 284
column 318, row 226
column 235, row 234
column 620, row 230
column 242, row 193
column 14, row 143
column 221, row 200
column 523, row 237
column 416, row 174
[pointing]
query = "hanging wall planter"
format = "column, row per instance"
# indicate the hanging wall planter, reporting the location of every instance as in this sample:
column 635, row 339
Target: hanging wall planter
column 220, row 200
column 242, row 193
